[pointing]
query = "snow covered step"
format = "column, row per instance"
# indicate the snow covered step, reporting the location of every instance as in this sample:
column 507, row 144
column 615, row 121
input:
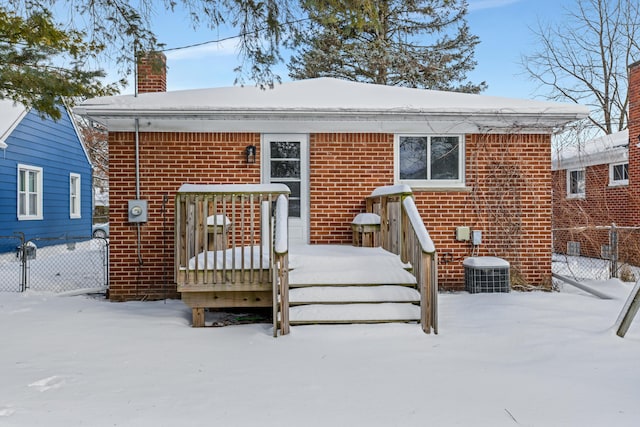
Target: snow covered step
column 352, row 294
column 343, row 266
column 361, row 275
column 354, row 313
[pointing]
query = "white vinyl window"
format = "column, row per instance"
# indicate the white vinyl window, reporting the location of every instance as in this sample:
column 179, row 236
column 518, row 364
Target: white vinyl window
column 619, row 174
column 74, row 195
column 576, row 183
column 29, row 192
column 430, row 160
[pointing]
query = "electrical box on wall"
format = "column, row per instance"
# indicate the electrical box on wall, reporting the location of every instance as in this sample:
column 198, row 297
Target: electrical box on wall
column 476, row 237
column 137, row 211
column 462, row 234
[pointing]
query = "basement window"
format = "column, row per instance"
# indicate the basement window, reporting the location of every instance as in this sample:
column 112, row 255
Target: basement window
column 573, row 248
column 618, row 174
column 576, row 183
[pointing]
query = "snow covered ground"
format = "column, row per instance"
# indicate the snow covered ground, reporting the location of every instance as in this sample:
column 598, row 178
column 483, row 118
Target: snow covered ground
column 518, row 359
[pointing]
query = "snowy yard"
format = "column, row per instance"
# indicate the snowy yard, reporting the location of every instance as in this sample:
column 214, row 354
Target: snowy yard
column 518, row 359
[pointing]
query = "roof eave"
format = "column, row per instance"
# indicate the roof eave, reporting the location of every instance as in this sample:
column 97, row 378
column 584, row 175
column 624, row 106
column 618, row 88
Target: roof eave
column 579, row 161
column 343, row 120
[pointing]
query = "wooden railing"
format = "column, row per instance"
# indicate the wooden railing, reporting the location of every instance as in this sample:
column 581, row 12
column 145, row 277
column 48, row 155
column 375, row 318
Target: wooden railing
column 403, row 233
column 230, row 250
column 281, row 267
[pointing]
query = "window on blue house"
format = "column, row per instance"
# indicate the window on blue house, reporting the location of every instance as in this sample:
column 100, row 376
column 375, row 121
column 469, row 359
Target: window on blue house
column 74, row 195
column 29, row 192
column 430, row 160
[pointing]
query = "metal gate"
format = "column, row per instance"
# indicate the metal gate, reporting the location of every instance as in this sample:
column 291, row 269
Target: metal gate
column 54, row 264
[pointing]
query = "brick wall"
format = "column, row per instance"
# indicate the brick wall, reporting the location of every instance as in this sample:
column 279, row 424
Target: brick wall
column 508, row 198
column 602, row 204
column 634, row 132
column 344, row 169
column 167, row 160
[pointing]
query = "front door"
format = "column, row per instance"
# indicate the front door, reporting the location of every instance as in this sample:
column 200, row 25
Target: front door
column 285, row 160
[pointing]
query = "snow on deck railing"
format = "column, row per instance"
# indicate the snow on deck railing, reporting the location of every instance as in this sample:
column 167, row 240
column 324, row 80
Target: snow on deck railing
column 422, row 234
column 389, row 190
column 403, row 233
column 281, row 244
column 235, row 188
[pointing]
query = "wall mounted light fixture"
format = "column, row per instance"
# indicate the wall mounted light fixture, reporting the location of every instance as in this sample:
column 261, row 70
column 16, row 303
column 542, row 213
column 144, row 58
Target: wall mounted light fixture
column 250, row 152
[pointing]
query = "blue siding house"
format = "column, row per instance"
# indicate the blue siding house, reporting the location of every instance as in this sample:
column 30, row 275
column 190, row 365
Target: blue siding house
column 45, row 177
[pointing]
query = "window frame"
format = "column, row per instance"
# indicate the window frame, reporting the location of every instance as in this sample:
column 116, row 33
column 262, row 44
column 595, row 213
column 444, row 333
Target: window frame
column 431, row 183
column 581, row 195
column 620, row 182
column 39, row 190
column 75, row 208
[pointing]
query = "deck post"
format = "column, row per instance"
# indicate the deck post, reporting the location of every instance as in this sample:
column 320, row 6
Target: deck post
column 198, row 317
column 284, row 293
column 425, row 293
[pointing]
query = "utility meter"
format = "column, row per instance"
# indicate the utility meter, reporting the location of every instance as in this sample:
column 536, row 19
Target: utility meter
column 137, row 211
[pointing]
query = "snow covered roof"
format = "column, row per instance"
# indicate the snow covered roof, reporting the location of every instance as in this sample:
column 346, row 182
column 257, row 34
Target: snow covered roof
column 605, row 149
column 10, row 116
column 326, row 104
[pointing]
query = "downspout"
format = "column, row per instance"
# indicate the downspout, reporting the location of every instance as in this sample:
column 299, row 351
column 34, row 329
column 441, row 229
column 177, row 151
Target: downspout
column 137, row 154
column 136, row 125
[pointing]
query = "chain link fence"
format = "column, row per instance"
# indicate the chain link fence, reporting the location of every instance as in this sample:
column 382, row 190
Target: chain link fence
column 597, row 253
column 54, row 265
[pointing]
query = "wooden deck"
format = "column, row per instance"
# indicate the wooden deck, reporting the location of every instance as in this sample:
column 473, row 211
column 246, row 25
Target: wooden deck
column 232, row 250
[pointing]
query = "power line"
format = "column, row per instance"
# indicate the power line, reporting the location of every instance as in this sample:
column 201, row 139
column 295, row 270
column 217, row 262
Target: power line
column 233, row 37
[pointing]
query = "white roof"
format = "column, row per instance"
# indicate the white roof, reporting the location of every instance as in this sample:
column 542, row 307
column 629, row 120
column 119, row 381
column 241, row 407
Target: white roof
column 326, row 104
column 10, row 115
column 606, row 149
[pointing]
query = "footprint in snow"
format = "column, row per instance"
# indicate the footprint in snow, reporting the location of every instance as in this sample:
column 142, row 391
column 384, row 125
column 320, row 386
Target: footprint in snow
column 48, row 383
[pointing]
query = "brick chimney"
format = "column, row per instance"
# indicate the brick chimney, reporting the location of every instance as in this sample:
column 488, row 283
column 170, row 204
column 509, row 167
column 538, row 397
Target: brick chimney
column 152, row 73
column 634, row 132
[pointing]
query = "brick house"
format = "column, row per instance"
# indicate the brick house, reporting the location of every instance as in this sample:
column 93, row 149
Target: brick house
column 474, row 161
column 598, row 185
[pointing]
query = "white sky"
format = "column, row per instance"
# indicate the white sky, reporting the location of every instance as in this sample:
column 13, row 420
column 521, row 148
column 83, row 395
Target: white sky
column 502, row 25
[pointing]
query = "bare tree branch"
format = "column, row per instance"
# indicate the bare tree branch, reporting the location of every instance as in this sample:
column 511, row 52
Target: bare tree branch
column 585, row 58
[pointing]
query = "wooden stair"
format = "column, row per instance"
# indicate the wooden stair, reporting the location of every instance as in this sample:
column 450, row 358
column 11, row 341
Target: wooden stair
column 344, row 284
